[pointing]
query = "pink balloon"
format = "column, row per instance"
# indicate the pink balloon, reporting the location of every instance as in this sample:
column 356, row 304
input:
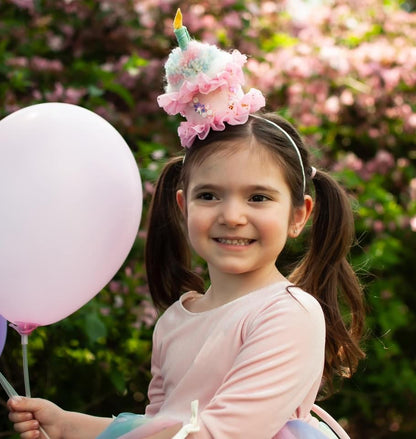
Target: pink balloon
column 3, row 333
column 70, row 208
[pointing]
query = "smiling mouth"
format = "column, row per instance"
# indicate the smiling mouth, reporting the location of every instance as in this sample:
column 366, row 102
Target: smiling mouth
column 238, row 242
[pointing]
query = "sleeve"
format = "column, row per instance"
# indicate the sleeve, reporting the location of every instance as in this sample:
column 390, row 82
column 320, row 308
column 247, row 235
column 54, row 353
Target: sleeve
column 151, row 423
column 279, row 363
column 155, row 391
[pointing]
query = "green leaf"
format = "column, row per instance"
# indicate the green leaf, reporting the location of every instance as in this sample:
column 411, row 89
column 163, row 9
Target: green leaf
column 94, row 327
column 134, row 63
column 279, row 40
column 118, row 380
column 121, row 91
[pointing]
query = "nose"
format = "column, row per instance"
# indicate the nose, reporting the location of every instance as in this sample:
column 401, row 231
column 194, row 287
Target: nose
column 232, row 213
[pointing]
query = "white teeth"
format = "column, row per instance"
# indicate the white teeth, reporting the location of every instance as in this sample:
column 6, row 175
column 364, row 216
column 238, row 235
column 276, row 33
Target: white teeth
column 234, row 241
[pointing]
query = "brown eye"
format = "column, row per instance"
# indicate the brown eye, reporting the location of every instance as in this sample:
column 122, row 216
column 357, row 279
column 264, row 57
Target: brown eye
column 207, row 196
column 258, row 198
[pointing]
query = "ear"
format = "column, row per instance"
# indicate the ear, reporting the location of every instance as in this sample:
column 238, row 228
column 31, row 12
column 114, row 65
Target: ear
column 300, row 217
column 181, row 201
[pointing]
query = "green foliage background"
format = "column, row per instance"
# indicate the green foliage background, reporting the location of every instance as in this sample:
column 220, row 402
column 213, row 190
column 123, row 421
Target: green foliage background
column 343, row 71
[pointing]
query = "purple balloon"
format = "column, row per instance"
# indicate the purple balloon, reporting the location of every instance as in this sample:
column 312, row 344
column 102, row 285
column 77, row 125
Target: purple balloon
column 3, row 333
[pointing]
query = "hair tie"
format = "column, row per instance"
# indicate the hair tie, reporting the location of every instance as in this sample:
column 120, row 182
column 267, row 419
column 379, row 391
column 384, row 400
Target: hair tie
column 313, row 172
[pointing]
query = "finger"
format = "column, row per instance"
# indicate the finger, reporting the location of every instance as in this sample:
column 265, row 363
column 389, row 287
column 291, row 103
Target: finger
column 26, row 426
column 16, row 403
column 20, row 416
column 23, row 404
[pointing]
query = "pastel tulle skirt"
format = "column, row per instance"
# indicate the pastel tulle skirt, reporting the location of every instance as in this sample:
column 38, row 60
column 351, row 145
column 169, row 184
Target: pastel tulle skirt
column 295, row 429
column 301, row 430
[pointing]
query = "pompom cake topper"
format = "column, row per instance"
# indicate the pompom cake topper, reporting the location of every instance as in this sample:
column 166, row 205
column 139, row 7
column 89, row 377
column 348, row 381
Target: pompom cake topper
column 204, row 85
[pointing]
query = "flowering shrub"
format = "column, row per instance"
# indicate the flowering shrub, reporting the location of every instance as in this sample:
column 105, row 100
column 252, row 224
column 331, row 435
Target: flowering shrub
column 344, row 71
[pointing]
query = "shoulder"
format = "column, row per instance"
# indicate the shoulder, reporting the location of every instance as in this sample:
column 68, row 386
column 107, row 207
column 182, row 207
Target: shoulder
column 308, row 303
column 174, row 312
column 290, row 309
column 292, row 300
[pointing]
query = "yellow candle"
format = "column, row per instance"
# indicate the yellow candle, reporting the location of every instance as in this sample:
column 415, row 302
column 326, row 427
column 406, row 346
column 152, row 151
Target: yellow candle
column 181, row 31
column 177, row 22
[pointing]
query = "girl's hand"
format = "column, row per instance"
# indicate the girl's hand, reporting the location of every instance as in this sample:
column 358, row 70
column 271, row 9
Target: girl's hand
column 28, row 414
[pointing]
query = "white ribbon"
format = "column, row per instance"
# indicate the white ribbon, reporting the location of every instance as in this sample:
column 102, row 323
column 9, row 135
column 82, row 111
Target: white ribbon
column 193, row 426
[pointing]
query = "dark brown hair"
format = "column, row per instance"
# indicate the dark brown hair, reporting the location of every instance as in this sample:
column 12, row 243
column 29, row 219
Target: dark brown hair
column 324, row 272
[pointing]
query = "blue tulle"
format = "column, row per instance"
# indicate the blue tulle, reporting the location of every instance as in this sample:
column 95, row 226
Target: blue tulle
column 297, row 429
column 124, row 423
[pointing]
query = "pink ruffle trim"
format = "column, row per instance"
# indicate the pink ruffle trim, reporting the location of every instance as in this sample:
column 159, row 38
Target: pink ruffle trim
column 250, row 103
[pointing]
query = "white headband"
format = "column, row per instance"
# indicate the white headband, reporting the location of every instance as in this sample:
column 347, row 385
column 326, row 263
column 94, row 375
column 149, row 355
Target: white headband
column 293, row 144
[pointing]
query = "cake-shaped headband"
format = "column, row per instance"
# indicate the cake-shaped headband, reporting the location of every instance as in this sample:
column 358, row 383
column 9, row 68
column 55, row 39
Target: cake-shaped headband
column 204, row 85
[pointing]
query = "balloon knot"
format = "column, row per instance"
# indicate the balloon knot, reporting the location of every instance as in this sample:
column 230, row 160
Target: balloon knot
column 24, row 328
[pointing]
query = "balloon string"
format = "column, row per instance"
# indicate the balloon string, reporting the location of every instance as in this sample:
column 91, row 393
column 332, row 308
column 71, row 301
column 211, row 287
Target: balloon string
column 44, row 432
column 25, row 365
column 25, row 340
column 8, row 387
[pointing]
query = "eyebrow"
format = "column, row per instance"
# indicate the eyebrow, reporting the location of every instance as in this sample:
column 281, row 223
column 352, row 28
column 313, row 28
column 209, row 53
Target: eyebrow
column 251, row 188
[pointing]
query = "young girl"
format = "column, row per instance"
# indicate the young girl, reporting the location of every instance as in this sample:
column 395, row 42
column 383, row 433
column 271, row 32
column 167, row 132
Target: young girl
column 245, row 357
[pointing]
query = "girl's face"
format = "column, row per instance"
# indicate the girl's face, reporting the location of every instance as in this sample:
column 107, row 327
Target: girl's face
column 239, row 212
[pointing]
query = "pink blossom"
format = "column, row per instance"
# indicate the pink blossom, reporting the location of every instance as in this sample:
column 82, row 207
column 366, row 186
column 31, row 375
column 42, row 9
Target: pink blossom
column 366, row 101
column 299, row 67
column 148, row 187
column 413, row 223
column 350, row 161
column 402, row 162
column 391, row 78
column 412, row 189
column 386, row 294
column 114, row 286
column 382, row 163
column 56, row 42
column 118, row 302
column 262, row 74
column 378, row 226
column 232, row 20
column 149, row 313
column 25, row 4
column 37, row 95
column 57, row 93
column 346, row 97
column 309, row 120
column 332, row 105
column 18, row 61
column 319, row 89
column 411, row 120
column 336, row 58
column 295, row 89
column 70, row 95
column 374, row 133
column 379, row 208
column 43, row 64
column 143, row 8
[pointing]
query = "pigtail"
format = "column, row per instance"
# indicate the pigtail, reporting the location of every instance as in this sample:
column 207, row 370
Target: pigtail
column 326, row 273
column 167, row 253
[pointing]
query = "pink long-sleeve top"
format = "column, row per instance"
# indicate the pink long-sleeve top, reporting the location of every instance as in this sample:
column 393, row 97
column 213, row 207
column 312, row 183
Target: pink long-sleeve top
column 253, row 363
